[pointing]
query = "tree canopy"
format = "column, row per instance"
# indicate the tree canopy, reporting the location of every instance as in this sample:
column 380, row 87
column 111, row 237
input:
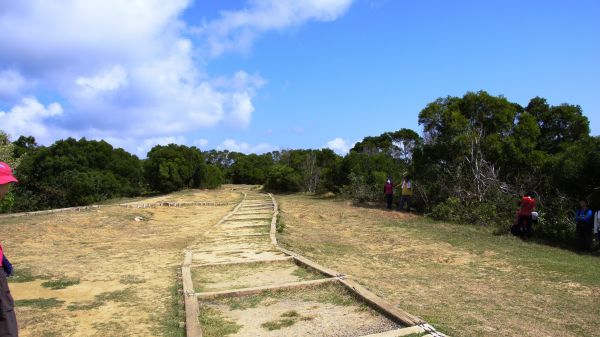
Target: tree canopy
column 476, row 154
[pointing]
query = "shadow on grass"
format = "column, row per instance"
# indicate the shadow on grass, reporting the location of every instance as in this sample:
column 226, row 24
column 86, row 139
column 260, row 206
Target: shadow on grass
column 538, row 238
column 570, row 245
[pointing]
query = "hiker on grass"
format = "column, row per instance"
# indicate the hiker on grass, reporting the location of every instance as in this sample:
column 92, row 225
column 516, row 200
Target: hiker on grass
column 584, row 219
column 8, row 319
column 388, row 191
column 407, row 191
column 525, row 216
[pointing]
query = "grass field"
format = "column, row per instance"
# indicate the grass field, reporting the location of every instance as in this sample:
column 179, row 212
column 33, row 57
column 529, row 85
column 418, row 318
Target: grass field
column 100, row 272
column 463, row 279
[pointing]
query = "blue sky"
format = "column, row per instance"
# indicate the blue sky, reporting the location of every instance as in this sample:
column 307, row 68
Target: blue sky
column 265, row 74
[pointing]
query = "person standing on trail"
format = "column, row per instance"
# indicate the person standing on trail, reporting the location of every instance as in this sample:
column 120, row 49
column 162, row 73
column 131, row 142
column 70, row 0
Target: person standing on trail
column 585, row 225
column 524, row 217
column 388, row 191
column 407, row 192
column 8, row 318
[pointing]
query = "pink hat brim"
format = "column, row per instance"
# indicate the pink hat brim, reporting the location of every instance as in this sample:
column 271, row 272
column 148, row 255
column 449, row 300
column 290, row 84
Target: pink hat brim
column 8, row 179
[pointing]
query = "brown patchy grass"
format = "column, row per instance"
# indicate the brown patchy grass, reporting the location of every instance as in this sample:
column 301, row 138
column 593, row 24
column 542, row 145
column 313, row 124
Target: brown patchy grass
column 126, row 269
column 463, row 279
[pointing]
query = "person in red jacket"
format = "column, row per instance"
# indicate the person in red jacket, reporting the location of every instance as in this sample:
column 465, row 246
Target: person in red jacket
column 8, row 318
column 524, row 217
column 388, row 191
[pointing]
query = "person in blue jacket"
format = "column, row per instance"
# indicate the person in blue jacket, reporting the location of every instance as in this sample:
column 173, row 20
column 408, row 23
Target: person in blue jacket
column 584, row 219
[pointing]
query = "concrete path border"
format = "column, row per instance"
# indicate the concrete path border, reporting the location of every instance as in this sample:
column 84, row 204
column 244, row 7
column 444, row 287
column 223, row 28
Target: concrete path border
column 413, row 323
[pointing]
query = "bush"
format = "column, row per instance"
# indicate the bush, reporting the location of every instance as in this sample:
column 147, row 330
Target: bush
column 7, row 203
column 282, row 178
column 212, row 177
column 361, row 189
column 557, row 220
column 491, row 212
column 449, row 210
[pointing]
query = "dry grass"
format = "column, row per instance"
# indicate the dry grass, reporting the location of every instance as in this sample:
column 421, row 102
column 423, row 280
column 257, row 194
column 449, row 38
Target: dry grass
column 462, row 279
column 125, row 268
column 229, row 277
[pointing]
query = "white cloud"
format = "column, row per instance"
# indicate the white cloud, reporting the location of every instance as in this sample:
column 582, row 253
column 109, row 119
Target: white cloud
column 119, row 67
column 109, row 80
column 132, row 67
column 201, row 143
column 149, row 143
column 237, row 30
column 28, row 118
column 233, row 145
column 12, row 83
column 141, row 147
column 339, row 145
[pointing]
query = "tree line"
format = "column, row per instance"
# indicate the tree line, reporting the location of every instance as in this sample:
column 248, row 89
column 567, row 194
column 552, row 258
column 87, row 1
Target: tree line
column 475, row 156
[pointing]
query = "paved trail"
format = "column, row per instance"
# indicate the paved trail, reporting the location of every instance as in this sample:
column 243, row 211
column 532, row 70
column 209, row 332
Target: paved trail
column 240, row 282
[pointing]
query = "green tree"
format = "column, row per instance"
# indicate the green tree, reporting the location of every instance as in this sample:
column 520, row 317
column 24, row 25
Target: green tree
column 251, row 169
column 559, row 125
column 212, row 176
column 75, row 172
column 173, row 167
column 24, row 145
column 7, row 151
column 282, row 178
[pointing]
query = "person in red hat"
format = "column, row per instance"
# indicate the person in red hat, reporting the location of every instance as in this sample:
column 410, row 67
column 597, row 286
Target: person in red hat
column 8, row 318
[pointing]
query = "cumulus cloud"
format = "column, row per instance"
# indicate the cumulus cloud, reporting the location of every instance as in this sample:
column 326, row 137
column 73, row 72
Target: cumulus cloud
column 12, row 84
column 109, row 80
column 119, row 67
column 132, row 72
column 237, row 30
column 339, row 145
column 201, row 143
column 233, row 145
column 141, row 147
column 28, row 117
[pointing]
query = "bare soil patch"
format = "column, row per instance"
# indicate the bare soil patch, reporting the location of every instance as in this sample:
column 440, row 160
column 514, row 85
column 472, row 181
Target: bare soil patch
column 125, row 268
column 321, row 311
column 250, row 275
column 235, row 256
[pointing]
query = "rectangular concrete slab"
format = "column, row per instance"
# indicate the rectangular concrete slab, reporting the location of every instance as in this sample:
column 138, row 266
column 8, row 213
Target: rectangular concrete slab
column 327, row 311
column 229, row 277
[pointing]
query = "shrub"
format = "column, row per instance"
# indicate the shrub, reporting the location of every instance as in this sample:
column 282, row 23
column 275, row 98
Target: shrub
column 212, row 177
column 282, row 178
column 557, row 220
column 362, row 189
column 493, row 211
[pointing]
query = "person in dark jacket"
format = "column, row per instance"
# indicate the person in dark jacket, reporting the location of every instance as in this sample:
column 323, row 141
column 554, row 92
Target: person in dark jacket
column 584, row 219
column 388, row 191
column 8, row 318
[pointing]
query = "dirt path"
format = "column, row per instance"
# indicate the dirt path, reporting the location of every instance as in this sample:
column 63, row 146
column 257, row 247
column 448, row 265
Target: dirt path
column 238, row 282
column 100, row 272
